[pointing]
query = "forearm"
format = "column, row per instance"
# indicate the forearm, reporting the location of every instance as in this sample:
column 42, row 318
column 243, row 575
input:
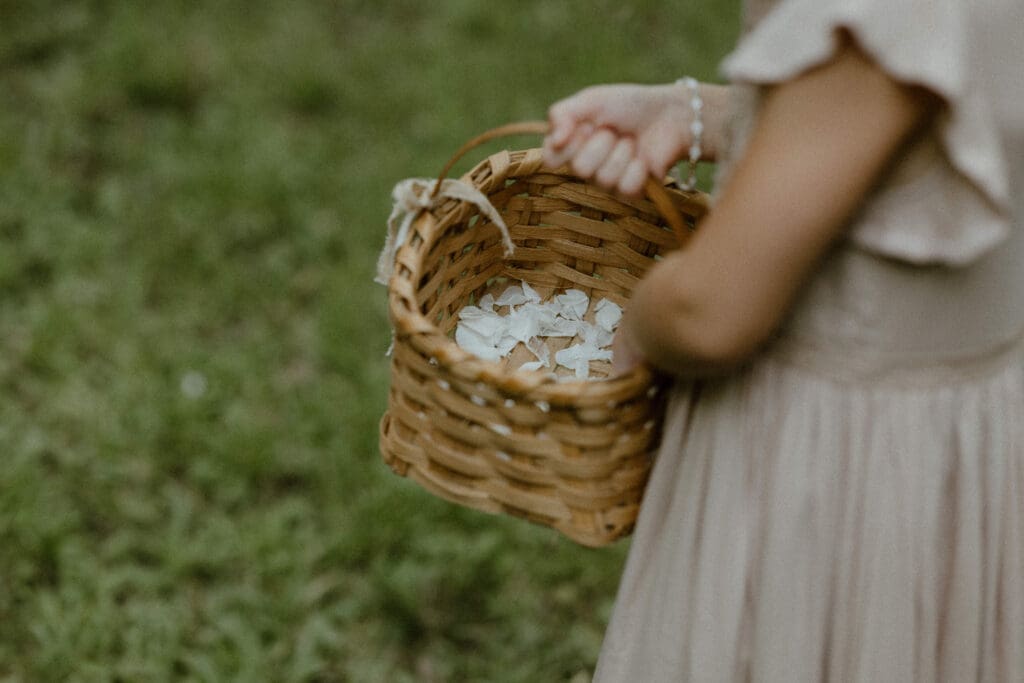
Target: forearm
column 826, row 137
column 676, row 323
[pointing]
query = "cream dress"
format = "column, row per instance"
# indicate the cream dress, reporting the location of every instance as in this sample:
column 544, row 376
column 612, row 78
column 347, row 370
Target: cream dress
column 851, row 506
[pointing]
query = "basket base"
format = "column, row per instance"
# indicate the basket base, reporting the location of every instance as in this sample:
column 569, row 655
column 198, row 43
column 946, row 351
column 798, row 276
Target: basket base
column 591, row 528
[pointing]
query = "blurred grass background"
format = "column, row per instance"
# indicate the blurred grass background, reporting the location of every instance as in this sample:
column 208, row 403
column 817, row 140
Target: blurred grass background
column 192, row 197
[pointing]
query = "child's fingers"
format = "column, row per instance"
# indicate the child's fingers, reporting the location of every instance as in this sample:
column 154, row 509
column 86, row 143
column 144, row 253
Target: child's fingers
column 590, row 105
column 564, row 117
column 562, row 127
column 556, row 151
column 557, row 157
column 615, row 165
column 593, row 153
column 633, row 178
column 552, row 158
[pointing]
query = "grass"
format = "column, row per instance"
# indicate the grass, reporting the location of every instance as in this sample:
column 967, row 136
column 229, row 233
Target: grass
column 192, row 196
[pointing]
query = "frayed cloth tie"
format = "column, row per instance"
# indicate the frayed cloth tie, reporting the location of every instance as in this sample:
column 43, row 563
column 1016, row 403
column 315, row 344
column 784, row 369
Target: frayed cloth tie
column 413, row 195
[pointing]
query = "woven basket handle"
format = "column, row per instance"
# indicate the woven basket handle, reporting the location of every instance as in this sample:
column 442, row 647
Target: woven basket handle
column 655, row 191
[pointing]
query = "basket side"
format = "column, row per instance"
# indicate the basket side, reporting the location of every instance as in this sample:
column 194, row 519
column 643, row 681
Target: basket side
column 571, row 455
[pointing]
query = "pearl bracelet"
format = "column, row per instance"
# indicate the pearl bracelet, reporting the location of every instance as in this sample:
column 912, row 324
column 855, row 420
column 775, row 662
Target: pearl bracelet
column 696, row 129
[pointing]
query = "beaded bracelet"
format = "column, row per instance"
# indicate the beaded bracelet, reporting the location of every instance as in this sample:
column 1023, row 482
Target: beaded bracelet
column 696, row 129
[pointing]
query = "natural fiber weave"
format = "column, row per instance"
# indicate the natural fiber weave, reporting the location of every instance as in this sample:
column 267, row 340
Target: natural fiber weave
column 573, row 455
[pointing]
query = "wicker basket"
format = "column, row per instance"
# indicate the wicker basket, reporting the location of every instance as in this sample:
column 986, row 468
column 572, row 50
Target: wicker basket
column 573, row 455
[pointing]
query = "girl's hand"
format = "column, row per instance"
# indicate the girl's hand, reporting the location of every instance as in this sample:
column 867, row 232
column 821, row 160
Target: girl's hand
column 619, row 135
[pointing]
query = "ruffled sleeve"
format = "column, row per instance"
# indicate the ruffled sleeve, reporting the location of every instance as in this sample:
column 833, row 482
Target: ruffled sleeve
column 947, row 200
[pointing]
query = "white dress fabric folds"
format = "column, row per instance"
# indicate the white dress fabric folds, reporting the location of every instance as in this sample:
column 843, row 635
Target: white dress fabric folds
column 850, row 507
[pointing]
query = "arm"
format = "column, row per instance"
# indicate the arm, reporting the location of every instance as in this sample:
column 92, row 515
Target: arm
column 823, row 139
column 620, row 134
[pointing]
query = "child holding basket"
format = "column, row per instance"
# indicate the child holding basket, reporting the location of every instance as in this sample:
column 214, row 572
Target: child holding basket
column 839, row 494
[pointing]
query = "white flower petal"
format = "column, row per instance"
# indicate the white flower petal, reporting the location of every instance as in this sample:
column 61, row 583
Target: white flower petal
column 523, row 323
column 472, row 342
column 561, row 327
column 491, row 328
column 594, row 335
column 539, row 349
column 530, row 293
column 608, row 314
column 472, row 313
column 582, row 369
column 567, row 357
column 574, row 304
column 513, row 296
column 506, row 344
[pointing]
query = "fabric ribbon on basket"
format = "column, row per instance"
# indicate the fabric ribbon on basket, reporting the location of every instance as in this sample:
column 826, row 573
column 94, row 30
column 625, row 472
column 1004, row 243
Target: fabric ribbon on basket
column 413, row 195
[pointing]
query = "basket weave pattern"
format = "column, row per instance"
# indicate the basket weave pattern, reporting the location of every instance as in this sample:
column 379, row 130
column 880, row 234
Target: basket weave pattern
column 573, row 455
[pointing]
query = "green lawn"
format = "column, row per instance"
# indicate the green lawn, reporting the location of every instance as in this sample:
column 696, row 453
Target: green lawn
column 192, row 196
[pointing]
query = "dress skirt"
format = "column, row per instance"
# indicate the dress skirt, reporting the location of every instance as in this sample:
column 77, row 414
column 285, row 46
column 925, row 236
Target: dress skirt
column 804, row 524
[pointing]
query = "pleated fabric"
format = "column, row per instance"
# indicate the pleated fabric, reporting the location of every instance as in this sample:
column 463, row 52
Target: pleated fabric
column 800, row 527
